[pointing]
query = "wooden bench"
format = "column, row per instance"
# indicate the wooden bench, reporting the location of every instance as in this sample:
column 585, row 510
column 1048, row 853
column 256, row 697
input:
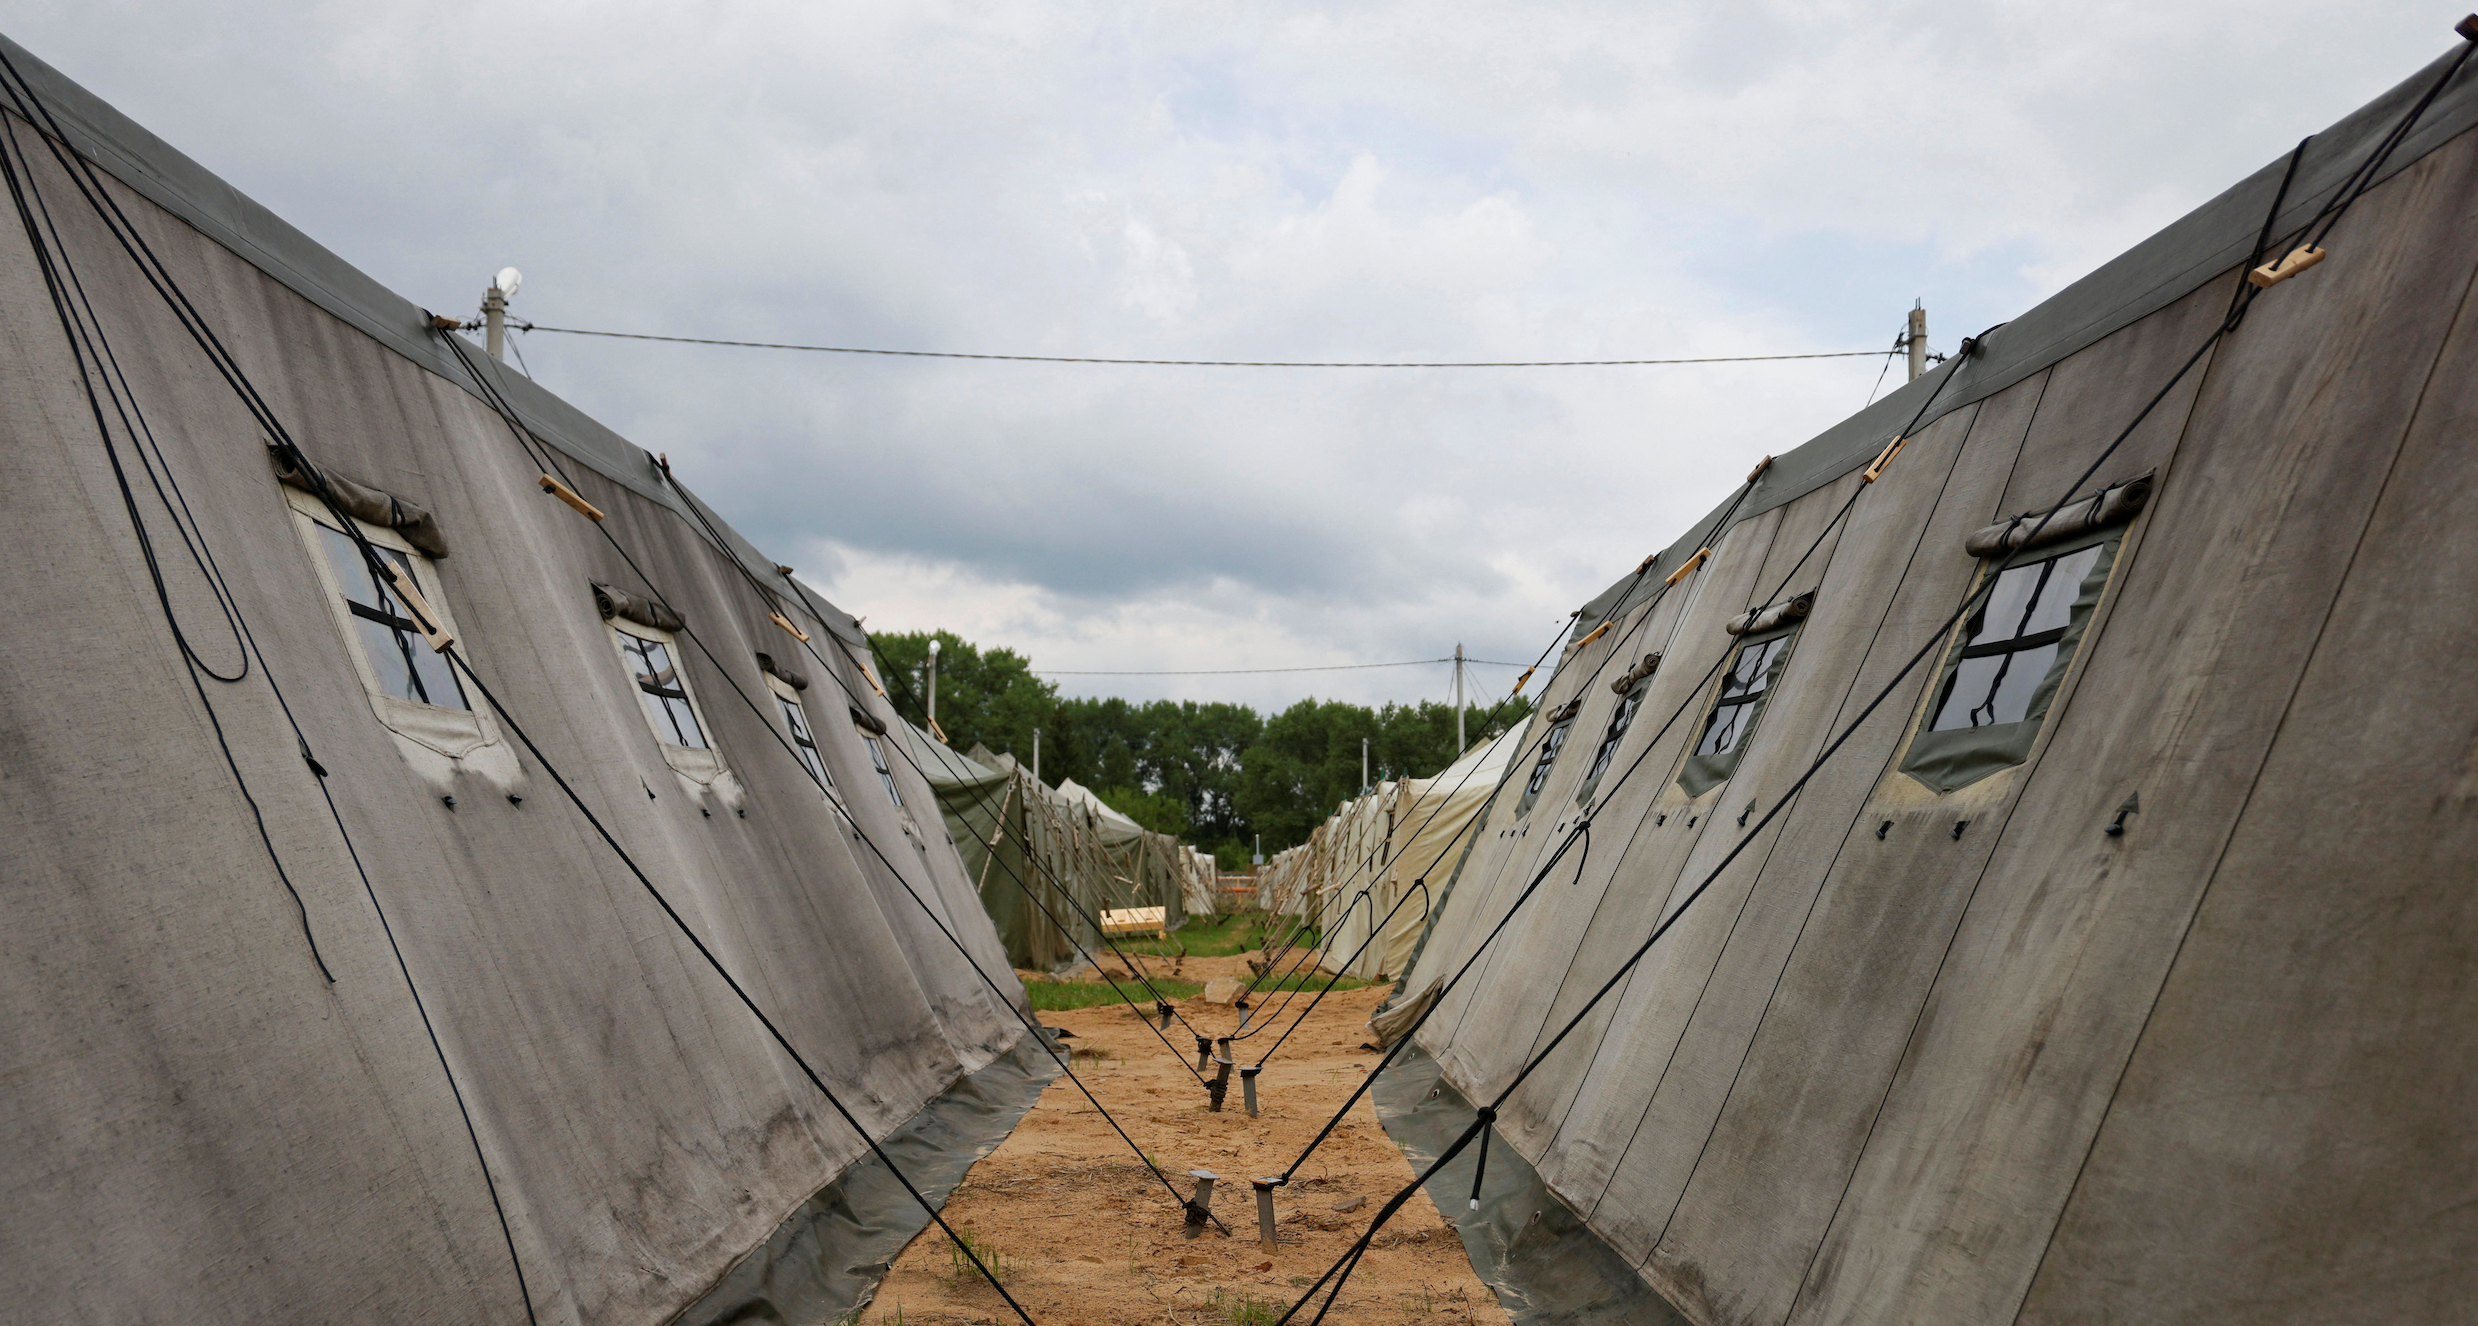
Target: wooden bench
column 1135, row 920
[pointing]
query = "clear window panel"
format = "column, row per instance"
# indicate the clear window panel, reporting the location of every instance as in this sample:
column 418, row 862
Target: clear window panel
column 684, row 723
column 877, row 761
column 1994, row 689
column 1618, row 723
column 1727, row 725
column 2001, row 617
column 1549, row 747
column 2056, row 598
column 351, row 571
column 386, row 652
column 1750, row 674
column 803, row 744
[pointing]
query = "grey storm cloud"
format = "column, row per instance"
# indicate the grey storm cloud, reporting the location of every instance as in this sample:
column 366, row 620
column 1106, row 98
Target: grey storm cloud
column 1375, row 181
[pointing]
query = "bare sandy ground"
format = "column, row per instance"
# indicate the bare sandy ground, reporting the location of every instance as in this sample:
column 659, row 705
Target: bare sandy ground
column 1085, row 1237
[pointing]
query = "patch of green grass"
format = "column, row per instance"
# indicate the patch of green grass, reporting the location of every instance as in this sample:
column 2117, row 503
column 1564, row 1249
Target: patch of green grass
column 1208, row 937
column 960, row 1271
column 1245, row 1309
column 1309, row 980
column 1061, row 996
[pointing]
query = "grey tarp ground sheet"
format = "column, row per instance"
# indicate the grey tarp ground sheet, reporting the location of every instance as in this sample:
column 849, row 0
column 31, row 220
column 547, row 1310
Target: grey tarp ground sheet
column 1966, row 1055
column 198, row 1127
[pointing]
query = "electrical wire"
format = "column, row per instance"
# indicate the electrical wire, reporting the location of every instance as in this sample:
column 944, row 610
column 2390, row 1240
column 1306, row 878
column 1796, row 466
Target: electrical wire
column 1186, row 363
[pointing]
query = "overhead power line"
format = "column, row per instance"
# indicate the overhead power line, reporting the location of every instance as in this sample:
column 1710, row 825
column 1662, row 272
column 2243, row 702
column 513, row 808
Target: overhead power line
column 1192, row 363
column 1235, row 672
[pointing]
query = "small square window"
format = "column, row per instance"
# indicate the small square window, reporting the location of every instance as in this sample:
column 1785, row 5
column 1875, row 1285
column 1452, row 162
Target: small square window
column 796, row 720
column 660, row 687
column 1745, row 689
column 399, row 655
column 877, row 761
column 2004, row 669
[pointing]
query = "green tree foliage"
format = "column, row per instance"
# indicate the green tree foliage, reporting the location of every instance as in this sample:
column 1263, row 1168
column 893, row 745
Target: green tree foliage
column 1216, row 775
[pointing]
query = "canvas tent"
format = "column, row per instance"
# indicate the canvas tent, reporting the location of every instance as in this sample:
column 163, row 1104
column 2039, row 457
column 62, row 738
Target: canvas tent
column 1371, row 864
column 223, row 898
column 1048, row 861
column 2115, row 966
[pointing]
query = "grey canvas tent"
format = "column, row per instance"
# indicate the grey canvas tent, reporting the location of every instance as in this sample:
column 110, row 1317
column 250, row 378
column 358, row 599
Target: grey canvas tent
column 220, row 899
column 2116, row 966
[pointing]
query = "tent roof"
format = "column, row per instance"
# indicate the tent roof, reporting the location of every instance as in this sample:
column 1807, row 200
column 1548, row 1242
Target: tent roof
column 2184, row 256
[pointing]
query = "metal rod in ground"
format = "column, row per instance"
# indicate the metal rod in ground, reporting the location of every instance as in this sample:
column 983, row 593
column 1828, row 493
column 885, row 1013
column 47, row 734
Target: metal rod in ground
column 1200, row 1207
column 1264, row 1202
column 1162, row 1007
column 1204, row 1051
column 1247, row 1086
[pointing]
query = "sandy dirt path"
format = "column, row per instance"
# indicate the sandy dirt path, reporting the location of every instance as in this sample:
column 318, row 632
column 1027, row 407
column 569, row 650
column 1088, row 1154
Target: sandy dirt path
column 1085, row 1237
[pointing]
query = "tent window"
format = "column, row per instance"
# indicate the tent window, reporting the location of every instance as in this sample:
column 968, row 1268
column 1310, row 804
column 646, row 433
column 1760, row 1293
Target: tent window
column 2014, row 641
column 877, row 761
column 1561, row 725
column 1742, row 692
column 2004, row 671
column 405, row 665
column 1616, row 735
column 803, row 745
column 658, row 684
column 1752, row 676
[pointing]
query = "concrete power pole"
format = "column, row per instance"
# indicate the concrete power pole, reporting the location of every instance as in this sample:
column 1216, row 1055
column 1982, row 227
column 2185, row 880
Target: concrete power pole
column 1363, row 766
column 933, row 684
column 495, row 312
column 1037, row 747
column 1918, row 338
column 1458, row 700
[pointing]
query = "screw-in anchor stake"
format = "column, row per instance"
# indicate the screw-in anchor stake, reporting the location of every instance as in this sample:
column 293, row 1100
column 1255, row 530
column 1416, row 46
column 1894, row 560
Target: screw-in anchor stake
column 1247, row 1086
column 1264, row 1208
column 1246, row 1015
column 1204, row 1051
column 1200, row 1206
column 1219, row 1087
column 1162, row 1006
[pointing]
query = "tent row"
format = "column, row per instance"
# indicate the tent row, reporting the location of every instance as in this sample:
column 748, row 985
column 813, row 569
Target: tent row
column 2031, row 825
column 1367, row 877
column 1048, row 861
column 316, row 979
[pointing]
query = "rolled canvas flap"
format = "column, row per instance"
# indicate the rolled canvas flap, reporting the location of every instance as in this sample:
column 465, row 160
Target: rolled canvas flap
column 644, row 612
column 874, row 726
column 363, row 502
column 1625, row 681
column 2109, row 506
column 1772, row 615
column 791, row 676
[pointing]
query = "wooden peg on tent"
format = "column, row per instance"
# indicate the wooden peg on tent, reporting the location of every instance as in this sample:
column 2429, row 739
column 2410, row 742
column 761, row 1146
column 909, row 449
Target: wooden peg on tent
column 2273, row 273
column 569, row 495
column 872, row 678
column 433, row 629
column 1687, row 567
column 1518, row 682
column 2467, row 28
column 1884, row 458
column 1597, row 632
column 796, row 633
column 1758, row 471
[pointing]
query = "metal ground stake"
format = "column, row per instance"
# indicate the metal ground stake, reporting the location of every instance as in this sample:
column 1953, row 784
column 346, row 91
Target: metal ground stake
column 1264, row 1209
column 1247, row 1088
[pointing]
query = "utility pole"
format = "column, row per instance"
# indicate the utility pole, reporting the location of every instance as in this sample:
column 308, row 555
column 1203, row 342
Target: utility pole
column 1037, row 747
column 1918, row 338
column 1458, row 697
column 1363, row 766
column 495, row 312
column 933, row 683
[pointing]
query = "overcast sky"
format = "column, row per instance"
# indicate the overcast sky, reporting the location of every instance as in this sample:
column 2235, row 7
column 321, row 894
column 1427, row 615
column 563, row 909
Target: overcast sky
column 1374, row 181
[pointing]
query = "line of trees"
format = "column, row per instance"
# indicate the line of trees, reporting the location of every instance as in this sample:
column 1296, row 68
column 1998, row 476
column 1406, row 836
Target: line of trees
column 1217, row 775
